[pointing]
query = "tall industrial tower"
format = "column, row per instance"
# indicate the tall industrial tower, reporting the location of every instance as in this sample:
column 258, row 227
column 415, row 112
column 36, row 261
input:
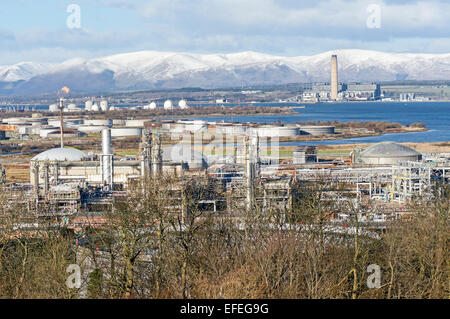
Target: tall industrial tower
column 334, row 77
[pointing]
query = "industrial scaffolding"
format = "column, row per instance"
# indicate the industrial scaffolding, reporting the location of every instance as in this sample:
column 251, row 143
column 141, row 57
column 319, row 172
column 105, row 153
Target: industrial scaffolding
column 411, row 179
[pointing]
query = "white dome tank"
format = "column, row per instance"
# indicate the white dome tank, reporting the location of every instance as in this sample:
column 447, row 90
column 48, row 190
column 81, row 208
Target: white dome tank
column 168, row 105
column 53, row 108
column 183, row 104
column 95, row 108
column 152, row 106
column 104, row 106
column 88, row 105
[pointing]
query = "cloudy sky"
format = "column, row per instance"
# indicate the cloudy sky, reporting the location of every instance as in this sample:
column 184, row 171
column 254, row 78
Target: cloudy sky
column 39, row 31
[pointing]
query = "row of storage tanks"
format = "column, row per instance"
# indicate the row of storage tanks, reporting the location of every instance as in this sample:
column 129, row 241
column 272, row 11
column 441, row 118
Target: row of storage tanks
column 120, row 127
column 43, row 126
column 241, row 129
column 104, row 106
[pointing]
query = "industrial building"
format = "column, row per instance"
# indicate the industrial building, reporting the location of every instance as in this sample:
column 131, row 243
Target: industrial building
column 335, row 91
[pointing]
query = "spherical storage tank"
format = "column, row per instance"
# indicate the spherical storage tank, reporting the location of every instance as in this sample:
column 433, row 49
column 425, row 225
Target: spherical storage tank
column 179, row 153
column 316, row 130
column 183, row 104
column 150, row 106
column 53, row 108
column 168, row 105
column 389, row 153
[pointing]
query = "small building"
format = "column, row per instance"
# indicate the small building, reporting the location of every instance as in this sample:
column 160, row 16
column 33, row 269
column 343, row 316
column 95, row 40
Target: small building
column 304, row 155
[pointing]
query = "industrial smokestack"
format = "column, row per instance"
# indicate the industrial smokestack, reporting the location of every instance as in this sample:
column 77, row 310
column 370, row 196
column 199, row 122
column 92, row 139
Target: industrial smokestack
column 106, row 142
column 61, row 108
column 334, row 77
column 107, row 159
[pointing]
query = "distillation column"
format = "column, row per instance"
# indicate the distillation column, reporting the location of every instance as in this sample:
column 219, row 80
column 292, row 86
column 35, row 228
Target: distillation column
column 156, row 155
column 107, row 159
column 146, row 153
column 251, row 160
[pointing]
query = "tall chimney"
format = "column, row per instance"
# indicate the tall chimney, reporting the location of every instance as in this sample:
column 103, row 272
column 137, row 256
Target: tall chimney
column 107, row 159
column 334, row 77
column 61, row 107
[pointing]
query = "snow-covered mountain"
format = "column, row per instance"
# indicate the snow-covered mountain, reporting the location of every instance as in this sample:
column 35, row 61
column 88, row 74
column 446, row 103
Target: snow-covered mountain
column 152, row 69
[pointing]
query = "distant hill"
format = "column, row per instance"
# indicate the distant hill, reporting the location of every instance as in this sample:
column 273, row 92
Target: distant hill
column 172, row 70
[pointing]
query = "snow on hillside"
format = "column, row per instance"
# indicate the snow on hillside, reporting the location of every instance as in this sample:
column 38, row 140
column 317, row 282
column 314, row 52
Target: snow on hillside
column 150, row 69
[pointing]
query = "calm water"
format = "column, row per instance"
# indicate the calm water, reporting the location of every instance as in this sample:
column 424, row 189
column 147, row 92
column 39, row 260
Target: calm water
column 436, row 117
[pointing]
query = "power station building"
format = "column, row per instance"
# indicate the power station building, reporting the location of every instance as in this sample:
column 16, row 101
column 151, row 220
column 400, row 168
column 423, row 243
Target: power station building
column 334, row 90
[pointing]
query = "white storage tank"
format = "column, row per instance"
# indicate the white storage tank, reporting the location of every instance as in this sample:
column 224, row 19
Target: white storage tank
column 53, row 108
column 183, row 104
column 88, row 105
column 196, row 126
column 95, row 108
column 92, row 128
column 152, row 106
column 135, row 123
column 47, row 129
column 99, row 122
column 104, row 105
column 316, row 130
column 275, row 131
column 126, row 131
column 118, row 122
column 168, row 105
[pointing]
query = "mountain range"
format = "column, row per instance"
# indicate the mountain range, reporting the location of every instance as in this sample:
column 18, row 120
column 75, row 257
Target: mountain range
column 170, row 70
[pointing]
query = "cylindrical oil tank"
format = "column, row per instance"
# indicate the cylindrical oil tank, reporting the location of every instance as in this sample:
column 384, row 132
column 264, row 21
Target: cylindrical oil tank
column 95, row 108
column 118, row 122
column 92, row 128
column 135, row 123
column 196, row 126
column 278, row 131
column 37, row 121
column 43, row 132
column 317, row 130
column 99, row 122
column 54, row 122
column 126, row 131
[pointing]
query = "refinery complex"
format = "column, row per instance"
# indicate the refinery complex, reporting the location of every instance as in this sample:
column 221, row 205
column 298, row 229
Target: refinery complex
column 242, row 159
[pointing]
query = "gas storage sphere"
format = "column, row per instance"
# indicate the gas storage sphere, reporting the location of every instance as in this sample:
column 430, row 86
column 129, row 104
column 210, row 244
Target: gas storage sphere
column 168, row 105
column 183, row 104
